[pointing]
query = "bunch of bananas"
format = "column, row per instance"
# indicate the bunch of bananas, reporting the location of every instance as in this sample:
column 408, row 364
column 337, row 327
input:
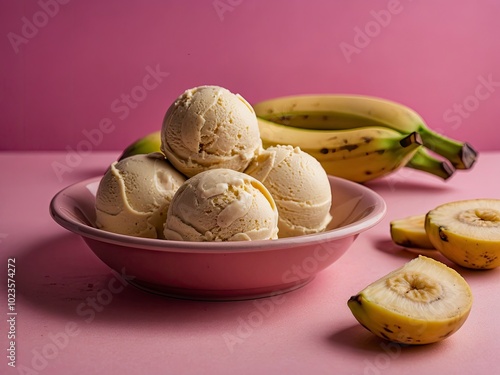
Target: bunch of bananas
column 360, row 137
column 356, row 137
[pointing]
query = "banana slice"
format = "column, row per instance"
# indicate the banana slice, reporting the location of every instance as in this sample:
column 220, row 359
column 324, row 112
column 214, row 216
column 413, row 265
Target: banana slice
column 410, row 232
column 422, row 302
column 467, row 232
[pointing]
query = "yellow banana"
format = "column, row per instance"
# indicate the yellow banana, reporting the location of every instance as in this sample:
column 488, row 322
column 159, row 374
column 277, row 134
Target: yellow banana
column 338, row 143
column 341, row 112
column 422, row 302
column 467, row 232
column 359, row 154
column 145, row 145
column 410, row 232
column 373, row 165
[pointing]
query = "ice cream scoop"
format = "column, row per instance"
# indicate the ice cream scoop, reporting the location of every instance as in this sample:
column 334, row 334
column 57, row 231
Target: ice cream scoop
column 134, row 195
column 209, row 127
column 299, row 186
column 222, row 205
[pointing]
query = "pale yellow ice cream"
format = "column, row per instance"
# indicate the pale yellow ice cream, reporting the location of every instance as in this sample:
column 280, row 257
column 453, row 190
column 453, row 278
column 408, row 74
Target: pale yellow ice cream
column 209, row 127
column 222, row 205
column 134, row 195
column 299, row 186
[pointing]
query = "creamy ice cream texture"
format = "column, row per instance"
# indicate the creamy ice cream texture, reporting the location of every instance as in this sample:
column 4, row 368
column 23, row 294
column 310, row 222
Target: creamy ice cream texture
column 222, row 205
column 209, row 127
column 299, row 186
column 134, row 195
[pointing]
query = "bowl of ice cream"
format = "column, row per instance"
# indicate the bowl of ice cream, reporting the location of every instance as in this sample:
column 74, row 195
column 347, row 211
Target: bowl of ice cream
column 213, row 215
column 221, row 270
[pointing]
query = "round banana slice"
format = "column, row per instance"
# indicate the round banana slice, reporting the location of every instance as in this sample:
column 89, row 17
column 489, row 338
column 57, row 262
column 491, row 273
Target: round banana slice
column 422, row 302
column 410, row 232
column 467, row 232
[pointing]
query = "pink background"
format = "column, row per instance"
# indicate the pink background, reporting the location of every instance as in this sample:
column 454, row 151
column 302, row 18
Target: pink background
column 69, row 73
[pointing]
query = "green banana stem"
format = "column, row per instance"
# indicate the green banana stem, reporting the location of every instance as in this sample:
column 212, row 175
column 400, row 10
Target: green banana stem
column 461, row 155
column 423, row 161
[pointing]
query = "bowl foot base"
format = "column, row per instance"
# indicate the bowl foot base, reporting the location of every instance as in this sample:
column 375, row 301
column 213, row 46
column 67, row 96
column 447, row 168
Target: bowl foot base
column 219, row 294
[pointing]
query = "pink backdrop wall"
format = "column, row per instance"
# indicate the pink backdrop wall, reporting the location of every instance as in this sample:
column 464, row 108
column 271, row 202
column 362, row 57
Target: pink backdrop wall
column 107, row 70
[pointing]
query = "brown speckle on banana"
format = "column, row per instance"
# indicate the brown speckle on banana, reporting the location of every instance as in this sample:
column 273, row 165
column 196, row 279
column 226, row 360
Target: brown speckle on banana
column 443, row 235
column 348, row 147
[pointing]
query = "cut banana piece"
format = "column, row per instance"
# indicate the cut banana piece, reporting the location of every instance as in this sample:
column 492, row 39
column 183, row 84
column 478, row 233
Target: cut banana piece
column 410, row 232
column 422, row 302
column 467, row 232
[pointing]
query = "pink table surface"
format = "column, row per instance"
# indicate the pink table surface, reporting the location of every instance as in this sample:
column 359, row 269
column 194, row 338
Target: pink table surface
column 68, row 321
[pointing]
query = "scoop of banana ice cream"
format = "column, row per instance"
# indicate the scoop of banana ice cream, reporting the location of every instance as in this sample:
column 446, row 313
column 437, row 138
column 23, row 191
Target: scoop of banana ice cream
column 299, row 186
column 210, row 127
column 222, row 205
column 134, row 194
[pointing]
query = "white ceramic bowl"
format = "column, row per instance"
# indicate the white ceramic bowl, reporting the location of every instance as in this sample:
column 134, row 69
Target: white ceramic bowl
column 222, row 270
